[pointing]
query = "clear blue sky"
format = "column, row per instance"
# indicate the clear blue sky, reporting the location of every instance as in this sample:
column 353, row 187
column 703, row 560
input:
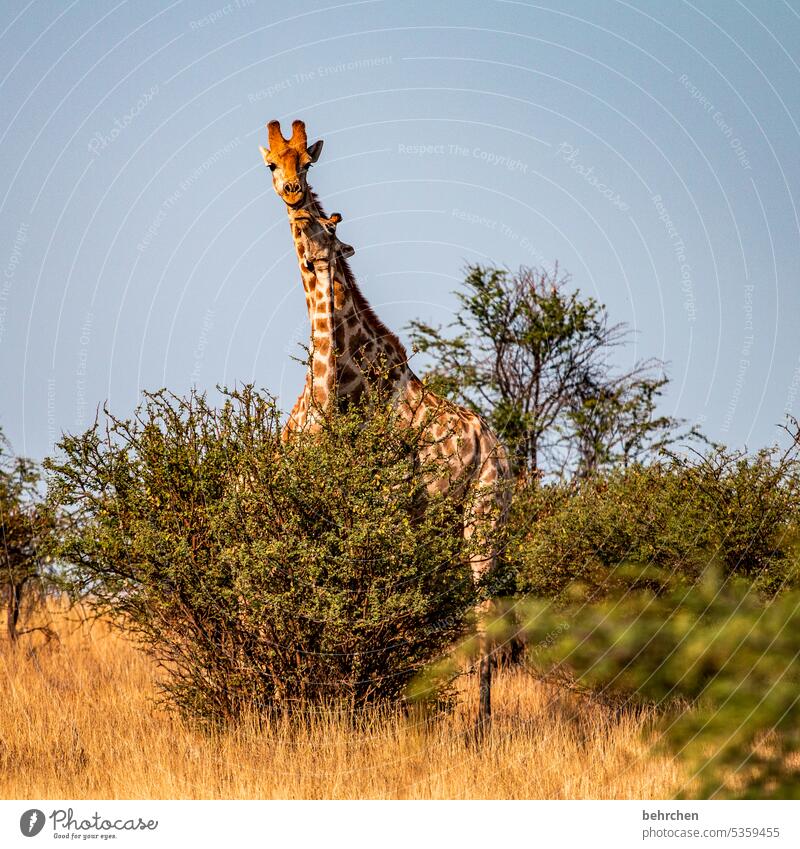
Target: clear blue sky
column 650, row 147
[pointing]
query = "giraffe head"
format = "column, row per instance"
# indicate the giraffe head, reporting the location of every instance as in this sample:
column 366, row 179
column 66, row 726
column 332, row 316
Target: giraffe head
column 318, row 238
column 289, row 161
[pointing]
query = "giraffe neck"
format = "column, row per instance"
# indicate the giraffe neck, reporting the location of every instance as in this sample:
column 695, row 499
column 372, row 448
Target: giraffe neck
column 317, row 287
column 351, row 348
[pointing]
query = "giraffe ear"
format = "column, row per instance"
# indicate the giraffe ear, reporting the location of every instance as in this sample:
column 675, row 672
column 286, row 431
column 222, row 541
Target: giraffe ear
column 314, row 150
column 264, row 153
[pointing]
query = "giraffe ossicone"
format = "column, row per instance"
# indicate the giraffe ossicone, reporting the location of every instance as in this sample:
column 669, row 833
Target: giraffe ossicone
column 353, row 354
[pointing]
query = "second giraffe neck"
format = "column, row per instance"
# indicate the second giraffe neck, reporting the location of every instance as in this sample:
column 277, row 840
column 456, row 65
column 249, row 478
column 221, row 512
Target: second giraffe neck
column 363, row 348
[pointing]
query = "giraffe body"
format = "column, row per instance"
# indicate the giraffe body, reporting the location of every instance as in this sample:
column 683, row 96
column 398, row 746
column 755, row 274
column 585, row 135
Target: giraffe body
column 353, row 354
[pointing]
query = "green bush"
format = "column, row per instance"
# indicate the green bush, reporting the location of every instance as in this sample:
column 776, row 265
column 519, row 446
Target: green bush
column 263, row 574
column 724, row 661
column 753, row 507
column 676, row 584
column 27, row 530
column 652, row 526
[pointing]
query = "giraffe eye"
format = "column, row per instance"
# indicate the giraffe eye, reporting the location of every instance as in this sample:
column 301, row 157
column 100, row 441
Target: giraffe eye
column 272, row 166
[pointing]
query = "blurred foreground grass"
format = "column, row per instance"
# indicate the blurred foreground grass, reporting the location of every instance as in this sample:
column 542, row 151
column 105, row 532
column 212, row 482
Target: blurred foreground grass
column 718, row 660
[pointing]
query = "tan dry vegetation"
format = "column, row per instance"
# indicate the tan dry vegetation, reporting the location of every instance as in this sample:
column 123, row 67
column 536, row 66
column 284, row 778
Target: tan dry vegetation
column 79, row 719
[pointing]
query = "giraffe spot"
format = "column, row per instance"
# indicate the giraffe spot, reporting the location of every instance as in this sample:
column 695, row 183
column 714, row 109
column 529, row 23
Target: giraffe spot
column 338, row 294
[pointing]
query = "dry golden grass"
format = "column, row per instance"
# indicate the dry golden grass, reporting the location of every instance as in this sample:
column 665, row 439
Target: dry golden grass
column 78, row 719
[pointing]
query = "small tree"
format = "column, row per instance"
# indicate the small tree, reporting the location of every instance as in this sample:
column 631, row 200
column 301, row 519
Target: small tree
column 612, row 421
column 25, row 534
column 262, row 574
column 524, row 348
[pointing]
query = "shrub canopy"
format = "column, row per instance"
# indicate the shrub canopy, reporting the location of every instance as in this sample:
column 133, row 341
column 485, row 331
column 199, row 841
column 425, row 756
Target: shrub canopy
column 652, row 526
column 259, row 573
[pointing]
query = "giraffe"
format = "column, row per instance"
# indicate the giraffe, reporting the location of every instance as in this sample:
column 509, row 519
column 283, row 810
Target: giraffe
column 353, row 352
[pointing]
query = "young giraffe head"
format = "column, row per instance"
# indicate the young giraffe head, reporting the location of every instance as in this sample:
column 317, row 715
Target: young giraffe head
column 289, row 161
column 317, row 236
